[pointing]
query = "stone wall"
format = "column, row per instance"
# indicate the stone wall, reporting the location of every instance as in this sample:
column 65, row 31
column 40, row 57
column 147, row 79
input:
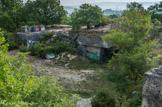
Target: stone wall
column 152, row 88
column 34, row 36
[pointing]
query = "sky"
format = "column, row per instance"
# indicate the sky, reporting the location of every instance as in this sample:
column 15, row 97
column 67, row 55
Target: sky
column 78, row 2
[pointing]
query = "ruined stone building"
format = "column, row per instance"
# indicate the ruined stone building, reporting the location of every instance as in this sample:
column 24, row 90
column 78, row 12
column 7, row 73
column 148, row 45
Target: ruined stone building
column 27, row 35
column 92, row 45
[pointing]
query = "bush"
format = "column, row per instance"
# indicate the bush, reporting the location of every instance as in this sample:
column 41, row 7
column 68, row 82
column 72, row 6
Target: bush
column 49, row 94
column 34, row 49
column 103, row 99
column 23, row 48
column 46, row 37
column 71, row 50
column 41, row 50
column 11, row 40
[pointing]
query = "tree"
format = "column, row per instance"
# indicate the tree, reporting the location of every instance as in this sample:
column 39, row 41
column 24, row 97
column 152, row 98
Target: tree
column 87, row 15
column 11, row 14
column 45, row 11
column 135, row 50
column 137, row 7
column 75, row 20
column 156, row 11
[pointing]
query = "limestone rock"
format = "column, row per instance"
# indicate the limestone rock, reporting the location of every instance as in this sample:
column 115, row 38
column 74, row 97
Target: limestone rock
column 152, row 88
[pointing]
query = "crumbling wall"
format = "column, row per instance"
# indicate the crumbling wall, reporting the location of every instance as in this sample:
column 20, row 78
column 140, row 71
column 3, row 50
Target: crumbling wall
column 152, row 89
column 34, row 36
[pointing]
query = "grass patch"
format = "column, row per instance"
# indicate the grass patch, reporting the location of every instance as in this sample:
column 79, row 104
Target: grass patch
column 79, row 64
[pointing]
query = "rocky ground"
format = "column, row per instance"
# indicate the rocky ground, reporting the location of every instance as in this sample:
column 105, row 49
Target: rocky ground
column 72, row 73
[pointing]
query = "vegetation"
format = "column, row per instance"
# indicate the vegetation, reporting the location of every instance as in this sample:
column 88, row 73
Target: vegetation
column 19, row 87
column 11, row 14
column 41, row 50
column 14, row 13
column 87, row 15
column 103, row 99
column 45, row 12
column 11, row 39
column 155, row 28
column 155, row 11
column 134, row 42
column 46, row 37
column 135, row 52
column 23, row 48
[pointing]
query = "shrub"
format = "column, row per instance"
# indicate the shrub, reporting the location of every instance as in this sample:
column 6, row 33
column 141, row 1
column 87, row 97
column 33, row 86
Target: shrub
column 103, row 99
column 63, row 46
column 46, row 37
column 41, row 50
column 11, row 40
column 34, row 49
column 23, row 48
column 49, row 94
column 71, row 50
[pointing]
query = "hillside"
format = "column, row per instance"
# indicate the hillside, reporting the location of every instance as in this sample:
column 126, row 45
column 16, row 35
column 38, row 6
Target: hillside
column 111, row 12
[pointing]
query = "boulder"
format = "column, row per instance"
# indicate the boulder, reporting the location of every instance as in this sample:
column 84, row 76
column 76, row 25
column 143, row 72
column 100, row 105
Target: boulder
column 152, row 88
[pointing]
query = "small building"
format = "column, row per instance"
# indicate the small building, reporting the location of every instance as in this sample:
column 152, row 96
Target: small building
column 91, row 44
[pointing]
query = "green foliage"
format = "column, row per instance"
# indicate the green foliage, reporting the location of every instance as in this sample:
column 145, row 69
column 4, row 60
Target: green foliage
column 136, row 7
column 135, row 98
column 46, row 37
column 135, row 50
column 105, row 20
column 155, row 11
column 6, row 22
column 16, row 81
column 155, row 28
column 45, row 11
column 11, row 16
column 11, row 40
column 66, row 20
column 41, row 50
column 62, row 47
column 20, row 88
column 113, row 16
column 23, row 48
column 87, row 15
column 35, row 49
column 49, row 94
column 103, row 98
column 156, row 22
column 75, row 20
column 14, row 13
